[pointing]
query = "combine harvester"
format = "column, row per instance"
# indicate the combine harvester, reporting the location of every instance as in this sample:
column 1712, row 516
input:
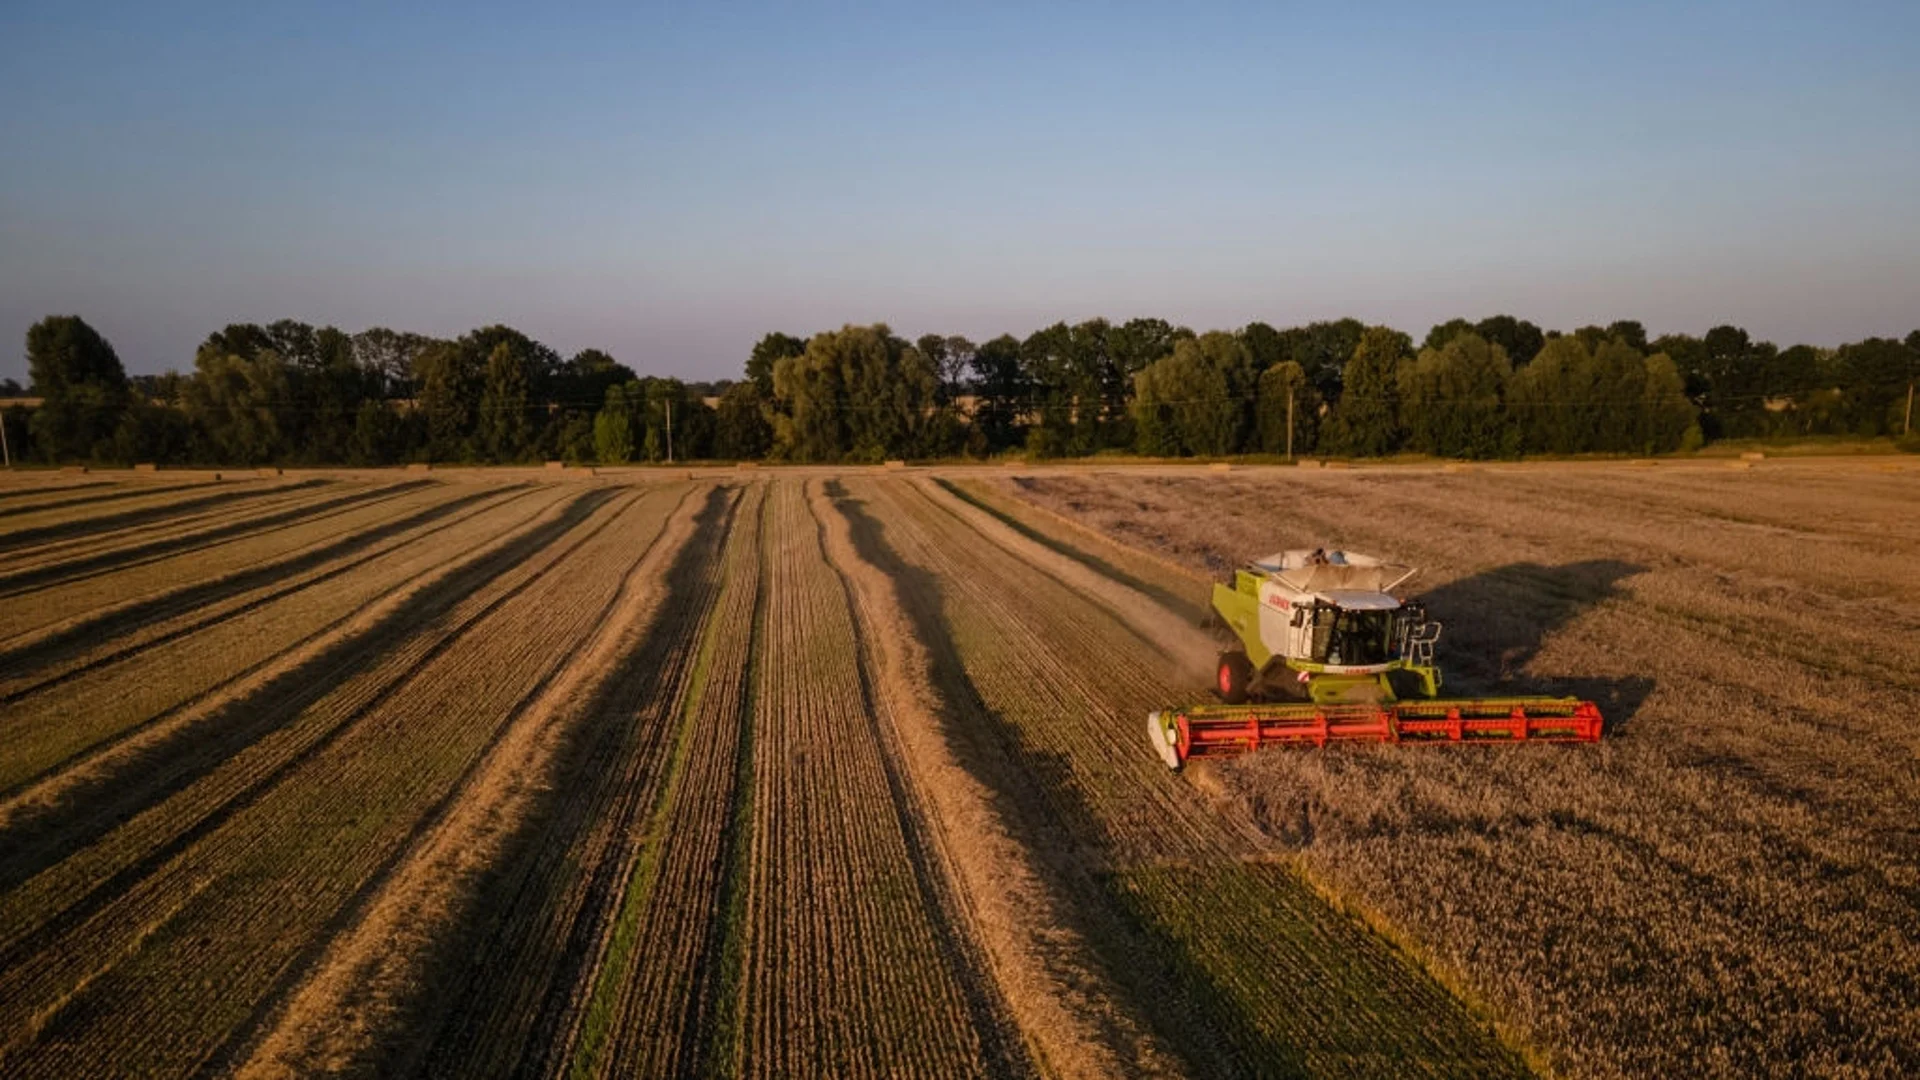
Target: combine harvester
column 1328, row 654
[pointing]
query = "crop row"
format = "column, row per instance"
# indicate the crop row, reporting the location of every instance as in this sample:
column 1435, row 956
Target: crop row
column 246, row 884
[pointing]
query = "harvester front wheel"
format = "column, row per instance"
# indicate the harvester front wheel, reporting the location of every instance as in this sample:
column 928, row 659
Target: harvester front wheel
column 1233, row 677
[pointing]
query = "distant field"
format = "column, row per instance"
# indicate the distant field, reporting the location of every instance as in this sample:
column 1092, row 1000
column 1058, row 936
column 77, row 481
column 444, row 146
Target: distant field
column 841, row 773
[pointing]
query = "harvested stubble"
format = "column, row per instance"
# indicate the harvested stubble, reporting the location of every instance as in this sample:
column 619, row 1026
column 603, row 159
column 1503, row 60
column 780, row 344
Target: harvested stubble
column 510, row 987
column 73, row 580
column 251, row 879
column 1726, row 885
column 1056, row 663
column 848, row 969
column 139, row 676
column 160, row 514
column 656, row 1001
column 359, row 990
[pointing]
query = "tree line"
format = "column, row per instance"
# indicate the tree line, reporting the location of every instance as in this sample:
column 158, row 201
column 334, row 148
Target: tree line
column 290, row 393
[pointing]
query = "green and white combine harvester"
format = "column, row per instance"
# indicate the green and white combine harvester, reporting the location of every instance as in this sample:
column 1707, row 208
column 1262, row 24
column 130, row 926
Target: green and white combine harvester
column 1328, row 653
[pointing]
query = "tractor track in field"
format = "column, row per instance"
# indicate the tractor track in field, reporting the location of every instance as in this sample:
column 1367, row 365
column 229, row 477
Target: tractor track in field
column 330, row 1006
column 264, row 804
column 125, row 621
column 66, row 572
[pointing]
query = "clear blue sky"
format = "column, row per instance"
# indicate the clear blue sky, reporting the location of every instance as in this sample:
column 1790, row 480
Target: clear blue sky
column 670, row 183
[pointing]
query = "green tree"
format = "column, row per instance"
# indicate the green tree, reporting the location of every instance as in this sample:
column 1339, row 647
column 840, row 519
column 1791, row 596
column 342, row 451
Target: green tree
column 1288, row 396
column 741, row 430
column 1518, row 338
column 447, row 391
column 379, row 435
column 1439, row 336
column 241, row 403
column 1365, row 420
column 859, row 391
column 504, row 428
column 1450, row 398
column 81, row 385
column 767, row 352
column 1185, row 403
column 999, row 390
column 613, row 434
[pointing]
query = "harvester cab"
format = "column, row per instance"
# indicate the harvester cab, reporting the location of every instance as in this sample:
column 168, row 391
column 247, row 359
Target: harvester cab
column 1323, row 626
column 1326, row 651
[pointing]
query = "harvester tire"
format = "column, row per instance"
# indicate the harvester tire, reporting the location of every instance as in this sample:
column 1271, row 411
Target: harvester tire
column 1233, row 677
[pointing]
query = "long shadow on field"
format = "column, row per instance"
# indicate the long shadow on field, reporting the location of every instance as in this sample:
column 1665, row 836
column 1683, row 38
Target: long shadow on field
column 94, row 807
column 90, row 634
column 30, row 492
column 42, row 576
column 1497, row 620
column 1034, row 793
column 145, row 515
column 81, row 500
column 497, row 988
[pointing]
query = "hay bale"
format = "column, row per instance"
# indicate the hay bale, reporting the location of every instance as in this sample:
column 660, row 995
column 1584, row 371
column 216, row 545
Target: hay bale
column 270, row 471
column 1307, row 463
column 74, row 468
column 556, row 466
column 145, row 466
column 1220, row 466
column 896, row 464
column 419, row 466
column 746, row 464
column 1753, row 455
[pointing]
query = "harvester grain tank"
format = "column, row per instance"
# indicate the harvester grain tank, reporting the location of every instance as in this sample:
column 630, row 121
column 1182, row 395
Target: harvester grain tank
column 1327, row 652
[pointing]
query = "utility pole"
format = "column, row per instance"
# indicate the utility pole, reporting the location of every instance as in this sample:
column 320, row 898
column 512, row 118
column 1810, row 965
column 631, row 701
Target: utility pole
column 669, row 432
column 1289, row 427
column 1906, row 426
column 8, row 453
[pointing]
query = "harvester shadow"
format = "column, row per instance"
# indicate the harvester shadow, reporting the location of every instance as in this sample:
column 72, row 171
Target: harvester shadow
column 497, row 986
column 95, row 806
column 1035, row 793
column 39, row 577
column 92, row 633
column 67, row 530
column 1496, row 622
